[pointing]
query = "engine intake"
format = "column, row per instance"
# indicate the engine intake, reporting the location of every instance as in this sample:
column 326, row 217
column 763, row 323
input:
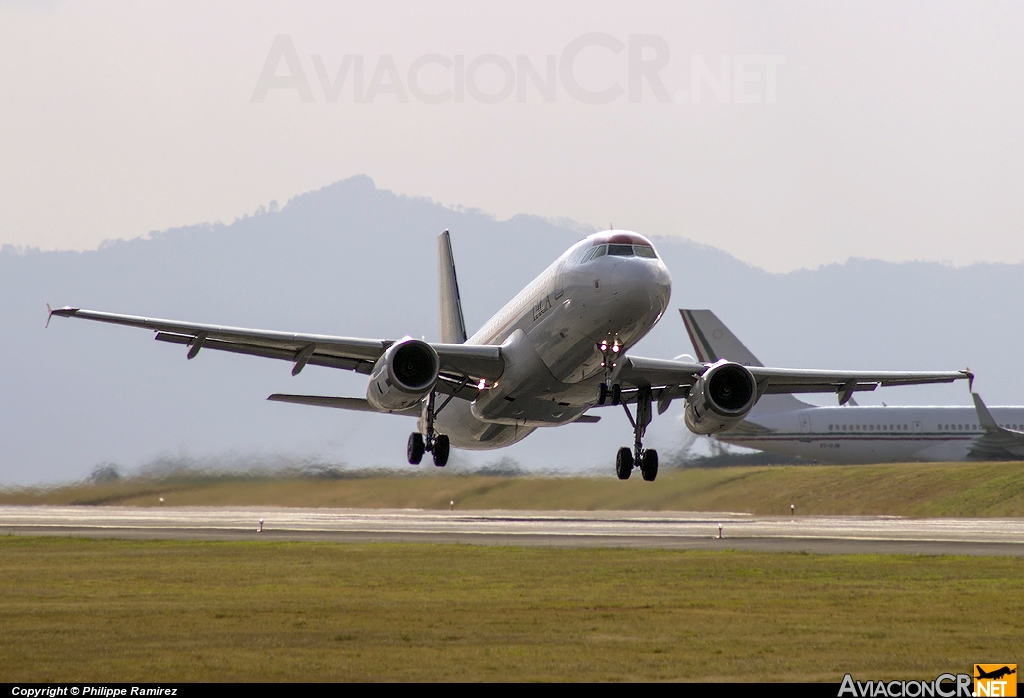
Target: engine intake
column 403, row 375
column 720, row 399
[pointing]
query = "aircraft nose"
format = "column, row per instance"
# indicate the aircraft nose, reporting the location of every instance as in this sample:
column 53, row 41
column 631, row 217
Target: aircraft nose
column 646, row 283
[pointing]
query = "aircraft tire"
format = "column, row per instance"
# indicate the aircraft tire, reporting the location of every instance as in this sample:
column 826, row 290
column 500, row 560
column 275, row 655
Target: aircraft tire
column 649, row 465
column 602, row 394
column 414, row 450
column 616, row 394
column 441, row 449
column 624, row 463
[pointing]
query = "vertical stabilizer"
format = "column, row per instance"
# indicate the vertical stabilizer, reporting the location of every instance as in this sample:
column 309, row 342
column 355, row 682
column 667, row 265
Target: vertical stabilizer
column 712, row 341
column 449, row 305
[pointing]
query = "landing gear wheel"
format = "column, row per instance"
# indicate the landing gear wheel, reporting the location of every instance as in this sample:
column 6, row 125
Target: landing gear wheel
column 649, row 465
column 616, row 394
column 415, row 448
column 602, row 394
column 441, row 448
column 624, row 463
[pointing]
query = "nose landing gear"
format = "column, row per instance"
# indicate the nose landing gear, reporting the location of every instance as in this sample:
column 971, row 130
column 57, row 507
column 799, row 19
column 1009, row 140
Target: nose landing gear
column 609, row 352
column 438, row 444
column 646, row 458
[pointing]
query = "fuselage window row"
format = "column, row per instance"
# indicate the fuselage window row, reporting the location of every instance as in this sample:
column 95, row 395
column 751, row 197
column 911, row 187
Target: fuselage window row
column 904, row 427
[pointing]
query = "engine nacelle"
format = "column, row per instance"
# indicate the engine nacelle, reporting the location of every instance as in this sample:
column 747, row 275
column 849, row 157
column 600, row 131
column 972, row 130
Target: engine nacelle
column 720, row 399
column 403, row 375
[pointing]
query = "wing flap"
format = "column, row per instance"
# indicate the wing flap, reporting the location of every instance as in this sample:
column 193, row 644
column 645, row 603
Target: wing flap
column 669, row 374
column 817, row 378
column 459, row 362
column 357, row 404
column 347, row 347
column 315, row 359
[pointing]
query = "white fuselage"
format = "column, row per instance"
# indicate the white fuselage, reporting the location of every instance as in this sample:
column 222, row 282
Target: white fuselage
column 868, row 434
column 550, row 334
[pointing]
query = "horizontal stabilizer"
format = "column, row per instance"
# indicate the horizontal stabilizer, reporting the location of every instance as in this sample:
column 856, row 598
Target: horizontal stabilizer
column 358, row 404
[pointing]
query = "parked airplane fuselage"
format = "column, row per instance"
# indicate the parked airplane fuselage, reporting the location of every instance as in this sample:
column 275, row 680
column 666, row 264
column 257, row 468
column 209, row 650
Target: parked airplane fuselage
column 865, row 434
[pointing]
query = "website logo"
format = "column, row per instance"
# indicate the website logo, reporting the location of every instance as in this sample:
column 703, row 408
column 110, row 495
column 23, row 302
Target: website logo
column 995, row 680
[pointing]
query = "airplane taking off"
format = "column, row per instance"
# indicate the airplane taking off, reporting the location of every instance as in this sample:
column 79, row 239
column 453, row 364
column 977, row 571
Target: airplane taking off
column 552, row 353
column 850, row 433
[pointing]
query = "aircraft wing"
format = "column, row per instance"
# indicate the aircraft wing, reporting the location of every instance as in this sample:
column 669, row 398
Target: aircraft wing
column 672, row 379
column 997, row 443
column 462, row 365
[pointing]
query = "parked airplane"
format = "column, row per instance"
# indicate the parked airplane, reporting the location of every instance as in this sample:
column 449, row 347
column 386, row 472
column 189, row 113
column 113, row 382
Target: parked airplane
column 552, row 353
column 850, row 433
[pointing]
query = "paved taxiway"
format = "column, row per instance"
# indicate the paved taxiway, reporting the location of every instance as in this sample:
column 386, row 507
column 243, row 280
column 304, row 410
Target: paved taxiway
column 669, row 530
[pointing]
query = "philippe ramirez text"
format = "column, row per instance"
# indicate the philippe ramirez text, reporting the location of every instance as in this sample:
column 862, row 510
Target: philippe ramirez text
column 103, row 691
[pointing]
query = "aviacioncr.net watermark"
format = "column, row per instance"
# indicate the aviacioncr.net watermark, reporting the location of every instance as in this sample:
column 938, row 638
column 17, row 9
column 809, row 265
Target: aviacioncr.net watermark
column 593, row 68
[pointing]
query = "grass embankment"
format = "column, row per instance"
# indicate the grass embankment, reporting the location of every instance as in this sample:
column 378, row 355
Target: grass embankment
column 945, row 489
column 107, row 610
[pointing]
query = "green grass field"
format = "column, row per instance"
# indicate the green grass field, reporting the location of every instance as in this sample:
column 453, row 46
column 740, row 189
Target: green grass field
column 944, row 489
column 109, row 610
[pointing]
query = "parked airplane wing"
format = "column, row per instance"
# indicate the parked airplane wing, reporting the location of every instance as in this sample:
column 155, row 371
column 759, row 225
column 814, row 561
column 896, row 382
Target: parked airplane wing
column 461, row 364
column 997, row 442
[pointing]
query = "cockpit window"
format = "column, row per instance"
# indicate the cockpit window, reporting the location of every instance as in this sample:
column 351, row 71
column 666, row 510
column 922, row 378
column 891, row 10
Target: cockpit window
column 619, row 250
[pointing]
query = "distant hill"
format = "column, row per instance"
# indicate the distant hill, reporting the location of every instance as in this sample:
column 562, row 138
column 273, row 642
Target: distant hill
column 355, row 260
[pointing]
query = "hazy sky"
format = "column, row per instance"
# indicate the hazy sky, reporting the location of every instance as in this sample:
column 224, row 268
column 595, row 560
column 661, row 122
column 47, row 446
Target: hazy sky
column 789, row 134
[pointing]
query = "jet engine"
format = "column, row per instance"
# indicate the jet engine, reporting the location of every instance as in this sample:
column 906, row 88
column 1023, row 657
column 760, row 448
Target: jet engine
column 403, row 375
column 720, row 399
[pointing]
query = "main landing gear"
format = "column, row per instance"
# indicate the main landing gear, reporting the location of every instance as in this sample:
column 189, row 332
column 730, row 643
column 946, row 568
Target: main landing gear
column 625, row 460
column 645, row 458
column 437, row 444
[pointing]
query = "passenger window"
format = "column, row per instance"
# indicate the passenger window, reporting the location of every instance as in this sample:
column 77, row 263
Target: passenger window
column 620, row 250
column 644, row 251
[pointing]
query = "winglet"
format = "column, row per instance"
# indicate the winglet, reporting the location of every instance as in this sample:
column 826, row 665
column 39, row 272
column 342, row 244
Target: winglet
column 970, row 379
column 49, row 314
column 985, row 419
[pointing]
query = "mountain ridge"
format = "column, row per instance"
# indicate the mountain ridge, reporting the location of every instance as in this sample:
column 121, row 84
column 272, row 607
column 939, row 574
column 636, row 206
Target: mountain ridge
column 352, row 259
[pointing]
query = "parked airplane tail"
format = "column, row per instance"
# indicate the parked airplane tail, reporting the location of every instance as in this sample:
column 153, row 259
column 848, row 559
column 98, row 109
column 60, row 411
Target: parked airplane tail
column 712, row 341
column 452, row 324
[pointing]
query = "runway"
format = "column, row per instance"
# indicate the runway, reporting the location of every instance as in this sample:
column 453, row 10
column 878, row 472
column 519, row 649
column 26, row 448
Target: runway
column 667, row 530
